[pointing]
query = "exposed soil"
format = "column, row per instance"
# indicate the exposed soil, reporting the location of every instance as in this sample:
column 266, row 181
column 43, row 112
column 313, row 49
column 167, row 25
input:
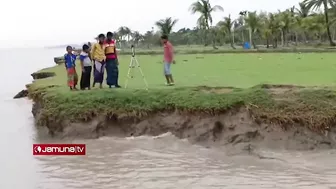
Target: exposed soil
column 236, row 128
column 281, row 89
column 278, row 91
column 233, row 129
column 218, row 90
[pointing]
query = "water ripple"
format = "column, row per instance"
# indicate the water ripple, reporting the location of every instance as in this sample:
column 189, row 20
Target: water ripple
column 169, row 163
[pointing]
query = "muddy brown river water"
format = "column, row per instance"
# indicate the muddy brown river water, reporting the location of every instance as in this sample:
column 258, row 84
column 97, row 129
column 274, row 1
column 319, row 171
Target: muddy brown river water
column 141, row 162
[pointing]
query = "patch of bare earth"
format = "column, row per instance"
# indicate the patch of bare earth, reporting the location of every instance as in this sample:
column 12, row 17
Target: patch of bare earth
column 222, row 90
column 283, row 92
column 218, row 91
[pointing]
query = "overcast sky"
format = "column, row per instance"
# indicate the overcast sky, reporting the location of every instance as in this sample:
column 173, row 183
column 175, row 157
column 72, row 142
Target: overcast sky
column 34, row 23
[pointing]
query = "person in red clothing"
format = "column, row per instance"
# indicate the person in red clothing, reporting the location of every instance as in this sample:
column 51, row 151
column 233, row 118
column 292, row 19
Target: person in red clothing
column 168, row 59
column 111, row 61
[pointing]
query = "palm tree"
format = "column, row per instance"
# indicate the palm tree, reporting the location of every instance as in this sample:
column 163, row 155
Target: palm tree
column 228, row 26
column 274, row 25
column 148, row 37
column 315, row 25
column 122, row 32
column 201, row 30
column 267, row 31
column 253, row 22
column 204, row 8
column 303, row 11
column 244, row 15
column 317, row 4
column 240, row 26
column 287, row 20
column 166, row 25
column 117, row 38
column 216, row 35
column 128, row 33
column 137, row 37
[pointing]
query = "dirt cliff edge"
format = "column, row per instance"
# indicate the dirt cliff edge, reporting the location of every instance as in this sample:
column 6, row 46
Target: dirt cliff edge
column 270, row 116
column 234, row 128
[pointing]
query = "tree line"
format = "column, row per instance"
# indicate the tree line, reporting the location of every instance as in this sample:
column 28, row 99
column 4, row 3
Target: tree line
column 312, row 22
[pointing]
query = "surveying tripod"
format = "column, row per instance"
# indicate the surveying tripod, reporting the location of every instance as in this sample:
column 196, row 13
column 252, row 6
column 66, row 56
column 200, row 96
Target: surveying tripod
column 134, row 63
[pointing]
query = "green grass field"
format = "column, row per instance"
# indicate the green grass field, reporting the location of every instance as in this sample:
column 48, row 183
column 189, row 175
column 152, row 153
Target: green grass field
column 234, row 70
column 232, row 80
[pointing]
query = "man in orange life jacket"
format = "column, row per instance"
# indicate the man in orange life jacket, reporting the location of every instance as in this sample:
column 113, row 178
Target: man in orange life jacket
column 111, row 61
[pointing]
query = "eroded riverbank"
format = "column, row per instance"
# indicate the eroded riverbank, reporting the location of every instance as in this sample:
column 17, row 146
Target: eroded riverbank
column 267, row 116
column 233, row 129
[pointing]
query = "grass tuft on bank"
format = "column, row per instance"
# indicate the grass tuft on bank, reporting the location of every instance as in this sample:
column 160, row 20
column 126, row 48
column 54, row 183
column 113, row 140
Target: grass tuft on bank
column 138, row 103
column 202, row 82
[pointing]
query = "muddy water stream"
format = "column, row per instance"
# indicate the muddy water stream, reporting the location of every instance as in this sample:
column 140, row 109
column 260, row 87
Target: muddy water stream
column 142, row 162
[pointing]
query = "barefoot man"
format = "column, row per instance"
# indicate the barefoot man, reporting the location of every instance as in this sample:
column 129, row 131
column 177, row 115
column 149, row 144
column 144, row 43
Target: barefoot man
column 168, row 59
column 98, row 56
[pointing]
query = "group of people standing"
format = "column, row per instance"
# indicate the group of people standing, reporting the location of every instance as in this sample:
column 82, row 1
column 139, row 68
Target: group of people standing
column 102, row 55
